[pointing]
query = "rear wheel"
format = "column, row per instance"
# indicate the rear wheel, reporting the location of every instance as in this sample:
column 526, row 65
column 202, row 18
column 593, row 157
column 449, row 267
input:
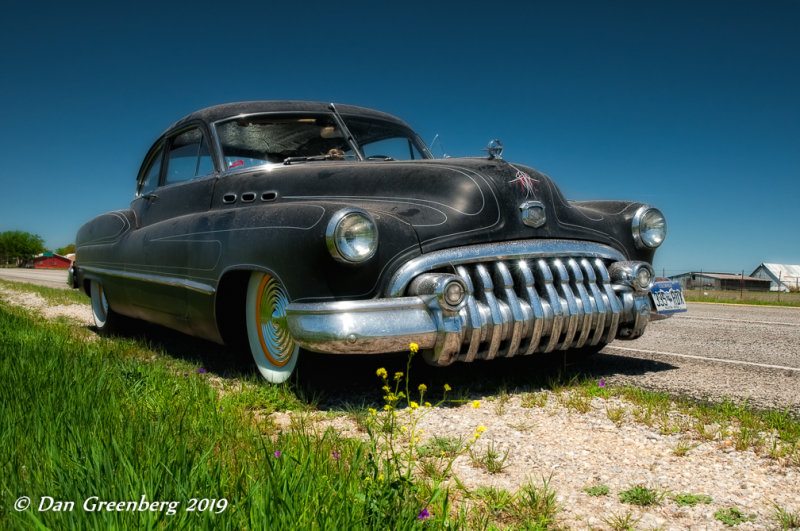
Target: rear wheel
column 106, row 320
column 271, row 344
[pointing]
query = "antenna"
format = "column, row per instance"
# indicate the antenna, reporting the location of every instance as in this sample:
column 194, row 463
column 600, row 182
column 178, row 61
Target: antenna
column 435, row 138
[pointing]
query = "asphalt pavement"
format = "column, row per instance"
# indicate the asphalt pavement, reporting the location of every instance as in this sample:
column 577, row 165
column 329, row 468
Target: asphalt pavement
column 715, row 351
column 52, row 278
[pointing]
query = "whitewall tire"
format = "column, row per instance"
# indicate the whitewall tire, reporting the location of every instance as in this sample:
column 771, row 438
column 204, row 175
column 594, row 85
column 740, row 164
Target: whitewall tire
column 104, row 317
column 271, row 344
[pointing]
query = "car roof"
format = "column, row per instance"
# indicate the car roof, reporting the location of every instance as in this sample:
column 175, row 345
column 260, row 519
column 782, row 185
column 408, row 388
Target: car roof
column 229, row 110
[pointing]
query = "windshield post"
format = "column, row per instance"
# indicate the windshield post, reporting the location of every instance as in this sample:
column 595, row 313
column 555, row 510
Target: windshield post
column 350, row 139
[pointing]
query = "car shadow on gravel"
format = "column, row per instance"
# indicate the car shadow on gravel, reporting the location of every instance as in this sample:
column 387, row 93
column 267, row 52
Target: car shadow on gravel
column 342, row 382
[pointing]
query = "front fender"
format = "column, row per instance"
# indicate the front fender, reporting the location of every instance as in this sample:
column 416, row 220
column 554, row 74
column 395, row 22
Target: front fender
column 288, row 239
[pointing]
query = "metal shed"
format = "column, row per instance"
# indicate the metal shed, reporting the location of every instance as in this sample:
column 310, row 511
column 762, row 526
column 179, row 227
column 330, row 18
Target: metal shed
column 782, row 277
column 721, row 281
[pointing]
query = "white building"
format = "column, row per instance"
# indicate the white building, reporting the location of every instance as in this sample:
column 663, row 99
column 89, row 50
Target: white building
column 783, row 277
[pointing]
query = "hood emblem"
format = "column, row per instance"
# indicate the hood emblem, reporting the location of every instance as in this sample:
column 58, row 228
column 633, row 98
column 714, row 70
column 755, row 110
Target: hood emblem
column 495, row 149
column 533, row 214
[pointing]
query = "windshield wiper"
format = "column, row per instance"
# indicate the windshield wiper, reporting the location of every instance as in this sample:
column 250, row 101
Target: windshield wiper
column 328, row 156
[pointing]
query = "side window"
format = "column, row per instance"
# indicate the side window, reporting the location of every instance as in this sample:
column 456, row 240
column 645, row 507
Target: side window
column 188, row 157
column 150, row 180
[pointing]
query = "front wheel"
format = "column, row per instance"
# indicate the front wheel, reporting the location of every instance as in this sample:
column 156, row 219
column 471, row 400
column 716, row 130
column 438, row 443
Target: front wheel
column 271, row 344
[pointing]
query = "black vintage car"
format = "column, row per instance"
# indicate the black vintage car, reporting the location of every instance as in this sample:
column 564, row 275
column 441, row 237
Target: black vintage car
column 286, row 225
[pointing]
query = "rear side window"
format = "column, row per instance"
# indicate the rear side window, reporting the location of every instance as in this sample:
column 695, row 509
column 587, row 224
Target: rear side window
column 188, row 157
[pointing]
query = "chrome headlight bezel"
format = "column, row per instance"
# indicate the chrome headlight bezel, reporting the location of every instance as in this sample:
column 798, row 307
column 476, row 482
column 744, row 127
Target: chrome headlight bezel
column 337, row 244
column 638, row 275
column 649, row 228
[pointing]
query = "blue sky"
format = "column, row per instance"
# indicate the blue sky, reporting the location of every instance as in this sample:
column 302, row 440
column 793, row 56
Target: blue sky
column 691, row 106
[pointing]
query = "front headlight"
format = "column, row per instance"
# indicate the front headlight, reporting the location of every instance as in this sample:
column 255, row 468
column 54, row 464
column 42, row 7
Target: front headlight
column 649, row 227
column 351, row 236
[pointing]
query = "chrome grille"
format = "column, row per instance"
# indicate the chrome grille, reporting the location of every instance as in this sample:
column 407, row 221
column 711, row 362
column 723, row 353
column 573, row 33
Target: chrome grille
column 526, row 305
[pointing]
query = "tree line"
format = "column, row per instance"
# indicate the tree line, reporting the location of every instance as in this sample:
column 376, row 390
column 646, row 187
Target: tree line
column 17, row 247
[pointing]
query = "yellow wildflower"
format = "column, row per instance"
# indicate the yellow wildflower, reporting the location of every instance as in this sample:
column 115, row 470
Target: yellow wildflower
column 476, row 404
column 398, row 375
column 447, row 387
column 428, row 404
column 404, row 428
column 480, row 429
column 387, row 407
column 414, row 347
column 386, row 388
column 413, row 405
column 382, row 373
column 373, row 411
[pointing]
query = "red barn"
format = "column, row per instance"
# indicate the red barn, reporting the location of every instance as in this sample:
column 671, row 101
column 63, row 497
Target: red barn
column 51, row 261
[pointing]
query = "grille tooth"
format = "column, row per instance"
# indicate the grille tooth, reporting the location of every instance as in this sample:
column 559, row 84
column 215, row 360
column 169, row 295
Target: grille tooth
column 601, row 302
column 545, row 277
column 495, row 326
column 573, row 311
column 533, row 303
column 612, row 302
column 536, row 305
column 585, row 301
column 504, row 282
column 471, row 317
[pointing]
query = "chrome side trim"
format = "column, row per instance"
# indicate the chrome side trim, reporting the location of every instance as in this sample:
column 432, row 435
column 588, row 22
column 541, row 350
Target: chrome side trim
column 492, row 252
column 155, row 279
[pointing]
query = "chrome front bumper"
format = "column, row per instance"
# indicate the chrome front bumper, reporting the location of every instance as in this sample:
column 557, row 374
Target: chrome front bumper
column 521, row 298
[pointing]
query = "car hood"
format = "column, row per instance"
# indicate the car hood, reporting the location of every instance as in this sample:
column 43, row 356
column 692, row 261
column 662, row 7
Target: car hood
column 456, row 202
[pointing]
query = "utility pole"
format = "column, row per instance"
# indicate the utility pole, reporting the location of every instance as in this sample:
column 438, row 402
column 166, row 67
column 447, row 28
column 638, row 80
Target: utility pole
column 741, row 287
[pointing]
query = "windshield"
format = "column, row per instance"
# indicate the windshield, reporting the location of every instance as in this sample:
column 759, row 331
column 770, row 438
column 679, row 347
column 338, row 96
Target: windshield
column 283, row 138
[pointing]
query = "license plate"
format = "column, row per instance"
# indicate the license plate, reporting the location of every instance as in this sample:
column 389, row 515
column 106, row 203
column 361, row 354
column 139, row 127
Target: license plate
column 668, row 297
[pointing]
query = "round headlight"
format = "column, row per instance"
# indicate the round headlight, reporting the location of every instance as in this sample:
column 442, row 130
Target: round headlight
column 649, row 227
column 352, row 236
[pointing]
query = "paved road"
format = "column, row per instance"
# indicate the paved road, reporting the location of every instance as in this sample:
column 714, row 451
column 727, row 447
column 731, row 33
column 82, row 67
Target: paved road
column 715, row 351
column 52, row 278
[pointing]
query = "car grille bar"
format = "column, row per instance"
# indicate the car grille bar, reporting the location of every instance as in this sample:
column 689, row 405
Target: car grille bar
column 536, row 305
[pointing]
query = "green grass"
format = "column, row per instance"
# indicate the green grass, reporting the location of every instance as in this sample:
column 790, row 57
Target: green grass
column 596, row 491
column 690, row 500
column 761, row 298
column 733, row 516
column 640, row 495
column 96, row 419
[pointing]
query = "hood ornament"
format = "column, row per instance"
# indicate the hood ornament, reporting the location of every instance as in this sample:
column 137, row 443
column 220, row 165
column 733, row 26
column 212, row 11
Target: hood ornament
column 495, row 149
column 533, row 214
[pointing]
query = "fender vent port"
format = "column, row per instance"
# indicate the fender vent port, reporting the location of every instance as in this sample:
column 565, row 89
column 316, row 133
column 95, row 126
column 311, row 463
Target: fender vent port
column 248, row 197
column 269, row 196
column 229, row 198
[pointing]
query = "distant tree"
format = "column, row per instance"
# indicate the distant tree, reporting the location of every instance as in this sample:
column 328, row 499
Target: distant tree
column 66, row 250
column 17, row 246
